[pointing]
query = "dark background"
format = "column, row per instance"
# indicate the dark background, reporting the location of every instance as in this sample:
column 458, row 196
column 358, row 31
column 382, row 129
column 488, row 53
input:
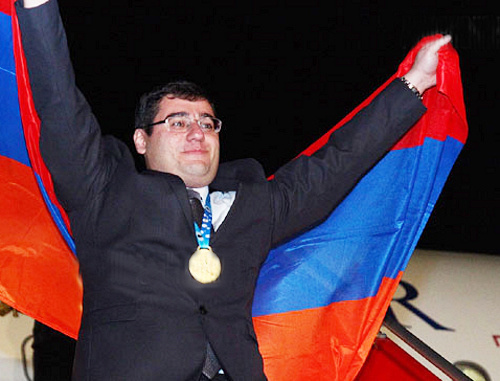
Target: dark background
column 283, row 74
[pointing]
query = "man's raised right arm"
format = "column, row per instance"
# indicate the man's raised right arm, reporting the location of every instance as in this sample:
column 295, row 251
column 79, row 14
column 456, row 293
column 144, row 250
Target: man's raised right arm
column 70, row 141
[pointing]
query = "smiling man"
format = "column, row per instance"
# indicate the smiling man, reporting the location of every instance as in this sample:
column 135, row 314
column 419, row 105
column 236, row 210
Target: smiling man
column 168, row 297
column 186, row 139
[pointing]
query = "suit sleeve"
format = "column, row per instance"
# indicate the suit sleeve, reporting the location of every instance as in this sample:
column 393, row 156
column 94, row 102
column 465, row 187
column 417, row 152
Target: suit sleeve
column 306, row 190
column 70, row 141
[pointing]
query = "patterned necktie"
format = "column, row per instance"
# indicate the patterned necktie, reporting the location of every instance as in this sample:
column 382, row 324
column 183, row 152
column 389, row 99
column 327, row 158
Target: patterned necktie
column 211, row 366
column 196, row 206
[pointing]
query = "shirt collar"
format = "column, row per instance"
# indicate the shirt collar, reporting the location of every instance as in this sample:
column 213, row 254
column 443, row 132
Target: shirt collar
column 203, row 192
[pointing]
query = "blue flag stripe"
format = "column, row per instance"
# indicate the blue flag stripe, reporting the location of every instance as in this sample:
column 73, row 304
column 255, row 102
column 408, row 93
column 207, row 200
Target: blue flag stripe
column 352, row 251
column 12, row 144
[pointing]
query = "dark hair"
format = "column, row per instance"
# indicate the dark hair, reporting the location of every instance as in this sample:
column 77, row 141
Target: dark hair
column 149, row 103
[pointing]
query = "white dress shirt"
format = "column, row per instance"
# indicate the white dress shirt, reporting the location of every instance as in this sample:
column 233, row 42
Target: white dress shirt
column 221, row 203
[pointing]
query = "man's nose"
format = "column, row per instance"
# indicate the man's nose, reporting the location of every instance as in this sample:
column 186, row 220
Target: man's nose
column 195, row 132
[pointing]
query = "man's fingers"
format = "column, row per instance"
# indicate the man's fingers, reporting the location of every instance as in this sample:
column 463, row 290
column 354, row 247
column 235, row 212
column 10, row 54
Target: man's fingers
column 33, row 3
column 437, row 44
column 423, row 72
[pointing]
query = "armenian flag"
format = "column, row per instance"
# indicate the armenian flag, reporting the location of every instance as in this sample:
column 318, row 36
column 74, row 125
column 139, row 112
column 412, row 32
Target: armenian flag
column 321, row 298
column 38, row 269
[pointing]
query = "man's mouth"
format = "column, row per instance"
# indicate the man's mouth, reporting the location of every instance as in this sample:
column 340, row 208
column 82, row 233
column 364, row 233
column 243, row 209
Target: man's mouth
column 195, row 152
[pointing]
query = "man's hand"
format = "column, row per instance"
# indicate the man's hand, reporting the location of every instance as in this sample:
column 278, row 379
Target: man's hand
column 422, row 74
column 33, row 3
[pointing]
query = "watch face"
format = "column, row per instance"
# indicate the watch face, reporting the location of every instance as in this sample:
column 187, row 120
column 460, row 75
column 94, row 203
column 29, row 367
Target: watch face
column 472, row 370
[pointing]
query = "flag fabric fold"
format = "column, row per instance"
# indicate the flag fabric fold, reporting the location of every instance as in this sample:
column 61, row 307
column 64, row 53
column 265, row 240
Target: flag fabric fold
column 320, row 298
column 38, row 268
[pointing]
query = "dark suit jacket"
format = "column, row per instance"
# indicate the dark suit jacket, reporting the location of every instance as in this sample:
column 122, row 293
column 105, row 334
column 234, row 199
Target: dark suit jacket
column 145, row 317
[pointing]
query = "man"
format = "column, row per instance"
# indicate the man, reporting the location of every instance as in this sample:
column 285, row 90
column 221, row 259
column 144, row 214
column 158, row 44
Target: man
column 165, row 297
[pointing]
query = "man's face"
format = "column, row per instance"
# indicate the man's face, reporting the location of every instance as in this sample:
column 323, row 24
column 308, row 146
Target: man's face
column 191, row 155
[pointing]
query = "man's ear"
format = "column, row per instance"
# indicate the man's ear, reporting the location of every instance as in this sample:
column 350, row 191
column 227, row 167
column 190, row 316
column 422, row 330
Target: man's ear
column 140, row 141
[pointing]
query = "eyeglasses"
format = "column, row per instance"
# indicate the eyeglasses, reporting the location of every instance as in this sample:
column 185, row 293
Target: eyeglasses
column 182, row 123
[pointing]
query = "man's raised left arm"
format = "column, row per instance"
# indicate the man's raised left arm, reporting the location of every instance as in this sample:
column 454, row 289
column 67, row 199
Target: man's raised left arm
column 307, row 189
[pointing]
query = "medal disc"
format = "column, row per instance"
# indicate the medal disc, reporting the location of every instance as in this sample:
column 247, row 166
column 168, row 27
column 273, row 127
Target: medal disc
column 204, row 265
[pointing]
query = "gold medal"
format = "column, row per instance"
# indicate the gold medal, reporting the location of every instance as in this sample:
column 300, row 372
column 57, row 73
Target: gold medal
column 204, row 265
